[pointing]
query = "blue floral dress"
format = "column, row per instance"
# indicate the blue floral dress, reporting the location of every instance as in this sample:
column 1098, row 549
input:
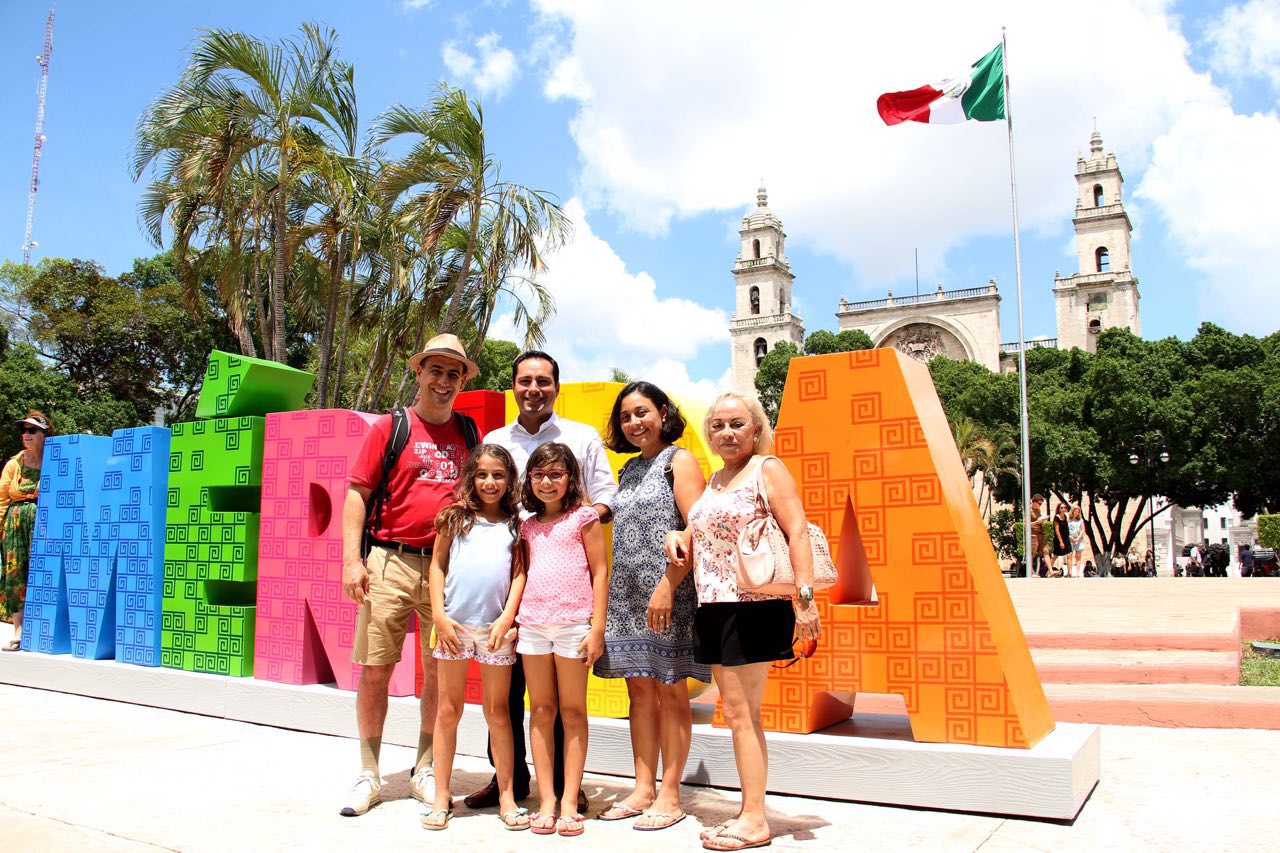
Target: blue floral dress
column 644, row 511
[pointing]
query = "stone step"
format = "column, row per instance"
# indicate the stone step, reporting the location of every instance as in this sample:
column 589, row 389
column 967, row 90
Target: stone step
column 1207, row 706
column 1098, row 640
column 1137, row 666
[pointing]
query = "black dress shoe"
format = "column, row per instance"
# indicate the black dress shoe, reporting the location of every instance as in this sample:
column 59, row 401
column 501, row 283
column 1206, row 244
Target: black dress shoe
column 487, row 797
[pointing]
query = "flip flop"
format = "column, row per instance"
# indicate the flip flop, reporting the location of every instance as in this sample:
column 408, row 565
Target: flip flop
column 436, row 827
column 664, row 819
column 732, row 841
column 542, row 824
column 13, row 646
column 571, row 825
column 619, row 811
column 509, row 820
column 714, row 830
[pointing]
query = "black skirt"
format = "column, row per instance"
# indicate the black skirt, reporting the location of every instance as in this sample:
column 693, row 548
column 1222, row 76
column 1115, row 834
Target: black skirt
column 734, row 633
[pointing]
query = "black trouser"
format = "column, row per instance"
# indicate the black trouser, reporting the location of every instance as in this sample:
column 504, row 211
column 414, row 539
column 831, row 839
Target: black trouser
column 515, row 707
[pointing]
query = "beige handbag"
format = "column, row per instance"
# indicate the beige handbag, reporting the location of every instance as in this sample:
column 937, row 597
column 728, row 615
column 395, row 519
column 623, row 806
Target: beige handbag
column 764, row 557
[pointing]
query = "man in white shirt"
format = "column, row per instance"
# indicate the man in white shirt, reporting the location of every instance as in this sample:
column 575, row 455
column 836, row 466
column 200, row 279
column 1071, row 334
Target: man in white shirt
column 536, row 384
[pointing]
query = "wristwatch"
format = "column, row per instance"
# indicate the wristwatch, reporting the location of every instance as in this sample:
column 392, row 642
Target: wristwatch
column 804, row 592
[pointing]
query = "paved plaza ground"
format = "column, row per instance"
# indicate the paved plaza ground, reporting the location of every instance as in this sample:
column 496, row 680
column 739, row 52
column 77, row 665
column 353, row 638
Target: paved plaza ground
column 88, row 774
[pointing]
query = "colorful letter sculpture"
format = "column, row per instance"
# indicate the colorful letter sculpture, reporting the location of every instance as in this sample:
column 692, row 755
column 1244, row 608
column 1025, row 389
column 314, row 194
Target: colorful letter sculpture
column 305, row 622
column 130, row 534
column 869, row 446
column 94, row 587
column 61, row 571
column 211, row 547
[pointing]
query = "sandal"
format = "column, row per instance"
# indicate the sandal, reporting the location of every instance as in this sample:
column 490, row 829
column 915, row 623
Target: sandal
column 732, row 841
column 512, row 820
column 712, row 831
column 431, row 816
column 542, row 824
column 664, row 820
column 13, row 646
column 571, row 825
column 619, row 811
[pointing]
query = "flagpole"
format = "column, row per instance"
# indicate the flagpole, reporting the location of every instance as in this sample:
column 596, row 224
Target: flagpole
column 1028, row 557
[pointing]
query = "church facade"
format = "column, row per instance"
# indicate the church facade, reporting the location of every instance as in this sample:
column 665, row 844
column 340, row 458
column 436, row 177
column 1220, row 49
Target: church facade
column 961, row 323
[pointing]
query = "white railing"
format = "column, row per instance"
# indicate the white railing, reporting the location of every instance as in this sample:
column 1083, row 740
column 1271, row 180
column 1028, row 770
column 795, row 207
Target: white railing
column 1037, row 343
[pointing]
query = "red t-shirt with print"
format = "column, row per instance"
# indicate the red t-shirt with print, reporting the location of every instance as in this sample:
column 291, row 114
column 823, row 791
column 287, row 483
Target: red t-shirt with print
column 422, row 480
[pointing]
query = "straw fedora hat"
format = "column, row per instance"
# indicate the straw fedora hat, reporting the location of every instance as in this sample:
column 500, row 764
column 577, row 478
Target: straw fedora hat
column 450, row 347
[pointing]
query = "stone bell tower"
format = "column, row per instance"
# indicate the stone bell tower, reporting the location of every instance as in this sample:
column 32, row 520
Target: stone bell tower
column 1104, row 293
column 762, row 315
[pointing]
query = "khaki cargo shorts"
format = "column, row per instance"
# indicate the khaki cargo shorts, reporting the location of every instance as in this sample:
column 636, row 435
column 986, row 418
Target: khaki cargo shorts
column 397, row 587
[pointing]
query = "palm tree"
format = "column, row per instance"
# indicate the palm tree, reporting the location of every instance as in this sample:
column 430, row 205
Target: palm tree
column 449, row 178
column 285, row 103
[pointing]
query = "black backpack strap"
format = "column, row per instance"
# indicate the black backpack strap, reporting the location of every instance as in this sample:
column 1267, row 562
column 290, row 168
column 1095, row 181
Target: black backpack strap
column 470, row 432
column 396, row 442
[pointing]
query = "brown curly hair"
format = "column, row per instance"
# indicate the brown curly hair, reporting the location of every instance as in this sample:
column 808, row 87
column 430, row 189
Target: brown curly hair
column 458, row 517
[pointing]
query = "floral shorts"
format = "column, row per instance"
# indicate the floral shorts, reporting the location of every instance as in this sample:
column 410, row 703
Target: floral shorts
column 475, row 646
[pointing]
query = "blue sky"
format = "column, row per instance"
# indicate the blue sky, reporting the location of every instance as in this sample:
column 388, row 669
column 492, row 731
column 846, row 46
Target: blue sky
column 654, row 123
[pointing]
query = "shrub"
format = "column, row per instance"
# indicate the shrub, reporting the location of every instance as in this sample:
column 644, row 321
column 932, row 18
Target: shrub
column 1269, row 531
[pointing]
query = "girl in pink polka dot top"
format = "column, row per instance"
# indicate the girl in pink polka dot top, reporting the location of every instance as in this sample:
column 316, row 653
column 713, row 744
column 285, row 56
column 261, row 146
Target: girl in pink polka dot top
column 561, row 619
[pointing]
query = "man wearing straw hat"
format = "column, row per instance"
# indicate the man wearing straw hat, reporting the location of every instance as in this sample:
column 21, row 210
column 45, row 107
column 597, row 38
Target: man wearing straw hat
column 406, row 471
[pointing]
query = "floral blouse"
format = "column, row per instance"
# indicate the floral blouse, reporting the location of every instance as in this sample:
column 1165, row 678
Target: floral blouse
column 716, row 520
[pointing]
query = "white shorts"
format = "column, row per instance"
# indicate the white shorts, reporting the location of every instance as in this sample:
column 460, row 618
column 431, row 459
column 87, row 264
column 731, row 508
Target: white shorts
column 475, row 645
column 563, row 639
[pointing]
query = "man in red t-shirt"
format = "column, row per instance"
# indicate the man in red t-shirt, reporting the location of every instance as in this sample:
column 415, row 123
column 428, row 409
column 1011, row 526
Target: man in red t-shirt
column 391, row 582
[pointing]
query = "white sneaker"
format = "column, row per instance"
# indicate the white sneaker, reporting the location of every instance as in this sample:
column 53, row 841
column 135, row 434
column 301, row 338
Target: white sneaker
column 422, row 785
column 364, row 794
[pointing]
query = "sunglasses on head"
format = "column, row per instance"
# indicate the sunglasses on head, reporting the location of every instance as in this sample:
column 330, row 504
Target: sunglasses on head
column 29, row 430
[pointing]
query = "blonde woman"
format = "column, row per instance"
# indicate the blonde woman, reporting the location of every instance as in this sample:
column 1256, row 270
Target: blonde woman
column 737, row 632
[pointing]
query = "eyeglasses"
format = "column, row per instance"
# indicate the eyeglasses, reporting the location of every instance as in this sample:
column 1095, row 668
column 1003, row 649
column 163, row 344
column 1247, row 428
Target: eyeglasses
column 29, row 430
column 548, row 476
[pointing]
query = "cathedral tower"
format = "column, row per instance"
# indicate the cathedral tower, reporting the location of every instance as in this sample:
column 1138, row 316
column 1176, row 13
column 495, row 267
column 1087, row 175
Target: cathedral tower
column 762, row 315
column 1104, row 293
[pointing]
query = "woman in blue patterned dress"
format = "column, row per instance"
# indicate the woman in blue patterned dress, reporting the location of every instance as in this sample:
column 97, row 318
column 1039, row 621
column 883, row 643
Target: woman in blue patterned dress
column 649, row 628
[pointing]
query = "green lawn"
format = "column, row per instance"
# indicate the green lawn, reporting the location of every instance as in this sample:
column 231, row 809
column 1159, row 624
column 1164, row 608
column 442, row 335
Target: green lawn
column 1258, row 671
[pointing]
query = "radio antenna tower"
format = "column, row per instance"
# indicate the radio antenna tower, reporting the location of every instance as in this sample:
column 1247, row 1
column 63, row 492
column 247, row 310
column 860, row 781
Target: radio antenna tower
column 43, row 60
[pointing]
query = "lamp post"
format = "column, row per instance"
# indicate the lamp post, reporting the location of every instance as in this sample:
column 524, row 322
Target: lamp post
column 1149, row 449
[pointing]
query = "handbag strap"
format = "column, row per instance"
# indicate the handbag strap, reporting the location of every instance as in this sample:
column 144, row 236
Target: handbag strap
column 762, row 493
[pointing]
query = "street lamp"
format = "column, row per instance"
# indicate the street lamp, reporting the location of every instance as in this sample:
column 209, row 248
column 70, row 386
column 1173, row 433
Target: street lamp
column 1149, row 449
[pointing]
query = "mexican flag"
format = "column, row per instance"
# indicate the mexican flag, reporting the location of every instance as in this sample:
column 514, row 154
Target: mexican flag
column 976, row 96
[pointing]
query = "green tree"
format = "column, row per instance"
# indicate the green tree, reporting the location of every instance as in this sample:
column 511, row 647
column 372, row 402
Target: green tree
column 494, row 360
column 242, row 103
column 126, row 345
column 771, row 377
column 823, row 342
column 448, row 178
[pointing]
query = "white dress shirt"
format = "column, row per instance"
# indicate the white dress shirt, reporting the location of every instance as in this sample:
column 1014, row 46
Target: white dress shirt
column 581, row 439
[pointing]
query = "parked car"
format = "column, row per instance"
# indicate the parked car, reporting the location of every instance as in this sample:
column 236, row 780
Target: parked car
column 1265, row 563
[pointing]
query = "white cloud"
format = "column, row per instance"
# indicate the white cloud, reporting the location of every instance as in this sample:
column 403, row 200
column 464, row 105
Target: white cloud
column 460, row 64
column 1223, row 219
column 1246, row 41
column 490, row 69
column 610, row 317
column 567, row 80
column 413, row 5
column 677, row 120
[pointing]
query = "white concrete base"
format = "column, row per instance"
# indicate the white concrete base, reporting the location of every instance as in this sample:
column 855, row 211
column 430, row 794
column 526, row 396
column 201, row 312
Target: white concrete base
column 869, row 758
